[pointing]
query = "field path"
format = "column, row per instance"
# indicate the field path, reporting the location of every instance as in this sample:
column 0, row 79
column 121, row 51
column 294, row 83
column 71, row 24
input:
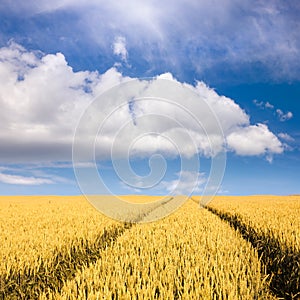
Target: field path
column 271, row 224
column 65, row 262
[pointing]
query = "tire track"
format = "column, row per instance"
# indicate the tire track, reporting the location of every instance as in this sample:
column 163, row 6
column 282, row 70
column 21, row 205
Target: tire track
column 63, row 265
column 282, row 264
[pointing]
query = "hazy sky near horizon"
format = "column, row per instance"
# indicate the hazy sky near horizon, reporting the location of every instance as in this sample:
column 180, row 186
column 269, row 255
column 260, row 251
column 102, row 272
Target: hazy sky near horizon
column 242, row 58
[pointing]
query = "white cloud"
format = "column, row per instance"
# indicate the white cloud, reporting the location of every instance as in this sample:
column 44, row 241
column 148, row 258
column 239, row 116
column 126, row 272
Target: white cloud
column 263, row 105
column 269, row 158
column 269, row 105
column 286, row 137
column 284, row 116
column 42, row 99
column 254, row 140
column 23, row 180
column 33, row 174
column 259, row 104
column 187, row 182
column 280, row 114
column 268, row 37
column 167, row 75
column 119, row 47
column 40, row 111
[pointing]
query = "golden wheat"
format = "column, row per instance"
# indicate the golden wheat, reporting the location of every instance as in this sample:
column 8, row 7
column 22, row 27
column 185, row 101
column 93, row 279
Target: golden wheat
column 276, row 216
column 37, row 232
column 62, row 248
column 272, row 225
column 188, row 255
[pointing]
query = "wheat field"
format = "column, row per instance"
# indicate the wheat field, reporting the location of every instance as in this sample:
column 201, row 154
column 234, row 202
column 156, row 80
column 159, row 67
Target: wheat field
column 235, row 248
column 272, row 225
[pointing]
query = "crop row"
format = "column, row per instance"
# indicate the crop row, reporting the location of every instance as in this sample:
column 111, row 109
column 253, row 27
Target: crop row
column 191, row 254
column 272, row 226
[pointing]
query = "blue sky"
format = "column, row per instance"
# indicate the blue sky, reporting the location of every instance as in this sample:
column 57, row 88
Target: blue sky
column 241, row 57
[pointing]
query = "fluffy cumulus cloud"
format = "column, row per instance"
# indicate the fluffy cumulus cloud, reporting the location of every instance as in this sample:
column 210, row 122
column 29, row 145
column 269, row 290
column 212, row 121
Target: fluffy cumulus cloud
column 254, row 140
column 42, row 98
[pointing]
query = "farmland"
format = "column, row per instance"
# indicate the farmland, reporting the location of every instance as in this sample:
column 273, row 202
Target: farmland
column 62, row 248
column 272, row 225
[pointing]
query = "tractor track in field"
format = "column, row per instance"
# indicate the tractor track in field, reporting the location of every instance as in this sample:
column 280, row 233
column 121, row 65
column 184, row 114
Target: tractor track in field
column 63, row 265
column 282, row 264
